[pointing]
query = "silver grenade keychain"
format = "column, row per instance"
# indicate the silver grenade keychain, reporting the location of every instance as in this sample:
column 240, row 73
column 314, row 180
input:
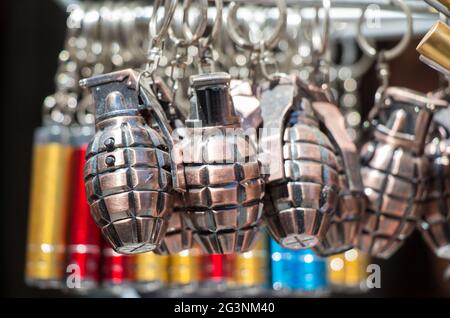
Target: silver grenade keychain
column 129, row 174
column 223, row 183
column 395, row 171
column 303, row 180
column 434, row 223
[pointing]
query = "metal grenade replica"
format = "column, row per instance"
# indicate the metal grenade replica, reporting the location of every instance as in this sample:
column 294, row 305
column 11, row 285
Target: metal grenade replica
column 345, row 222
column 224, row 188
column 303, row 176
column 435, row 220
column 178, row 236
column 395, row 170
column 128, row 169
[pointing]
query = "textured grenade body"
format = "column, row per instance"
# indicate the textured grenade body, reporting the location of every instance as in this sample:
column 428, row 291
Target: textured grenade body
column 178, row 235
column 435, row 221
column 302, row 193
column 224, row 188
column 345, row 222
column 395, row 172
column 127, row 172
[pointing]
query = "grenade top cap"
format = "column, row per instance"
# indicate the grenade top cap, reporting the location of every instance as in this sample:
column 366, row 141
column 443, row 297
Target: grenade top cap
column 110, row 97
column 212, row 104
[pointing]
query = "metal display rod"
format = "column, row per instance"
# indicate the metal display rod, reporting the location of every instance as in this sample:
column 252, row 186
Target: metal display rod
column 387, row 20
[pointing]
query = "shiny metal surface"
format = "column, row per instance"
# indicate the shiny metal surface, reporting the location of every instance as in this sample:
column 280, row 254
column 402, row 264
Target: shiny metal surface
column 224, row 186
column 178, row 236
column 345, row 223
column 303, row 183
column 394, row 170
column 435, row 221
column 128, row 170
column 435, row 47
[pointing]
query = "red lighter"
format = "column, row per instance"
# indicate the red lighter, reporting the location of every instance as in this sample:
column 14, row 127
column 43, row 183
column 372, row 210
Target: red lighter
column 85, row 237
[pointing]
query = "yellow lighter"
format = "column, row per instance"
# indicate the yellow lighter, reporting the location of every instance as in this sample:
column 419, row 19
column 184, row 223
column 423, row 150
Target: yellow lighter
column 49, row 207
column 150, row 271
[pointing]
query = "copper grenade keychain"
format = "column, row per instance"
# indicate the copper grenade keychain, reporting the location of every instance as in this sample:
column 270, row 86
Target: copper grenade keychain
column 128, row 168
column 395, row 171
column 224, row 187
column 303, row 182
column 435, row 221
column 394, row 168
column 128, row 173
column 345, row 223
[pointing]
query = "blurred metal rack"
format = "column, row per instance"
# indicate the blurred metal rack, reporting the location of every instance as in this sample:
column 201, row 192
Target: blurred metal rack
column 388, row 20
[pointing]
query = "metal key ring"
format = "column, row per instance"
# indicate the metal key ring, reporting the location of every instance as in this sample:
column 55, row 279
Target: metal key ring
column 320, row 41
column 217, row 25
column 156, row 38
column 269, row 43
column 399, row 48
column 193, row 37
column 359, row 67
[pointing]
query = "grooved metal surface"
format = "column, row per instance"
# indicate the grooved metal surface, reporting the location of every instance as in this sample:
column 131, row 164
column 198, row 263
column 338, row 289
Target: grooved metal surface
column 224, row 191
column 305, row 200
column 127, row 177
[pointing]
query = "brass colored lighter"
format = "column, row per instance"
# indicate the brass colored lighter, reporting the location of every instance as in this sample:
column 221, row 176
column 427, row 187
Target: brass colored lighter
column 49, row 207
column 434, row 48
column 149, row 271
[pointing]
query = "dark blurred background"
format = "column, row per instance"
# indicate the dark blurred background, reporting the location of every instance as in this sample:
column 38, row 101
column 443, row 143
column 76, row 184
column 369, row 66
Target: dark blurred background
column 32, row 34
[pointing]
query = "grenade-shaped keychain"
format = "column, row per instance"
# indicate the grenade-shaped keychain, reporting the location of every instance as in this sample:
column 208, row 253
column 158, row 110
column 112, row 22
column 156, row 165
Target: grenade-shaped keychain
column 345, row 223
column 222, row 173
column 128, row 170
column 394, row 169
column 303, row 180
column 178, row 236
column 435, row 220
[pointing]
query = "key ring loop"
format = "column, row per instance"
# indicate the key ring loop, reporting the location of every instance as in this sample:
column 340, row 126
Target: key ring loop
column 190, row 37
column 263, row 65
column 269, row 43
column 399, row 48
column 156, row 38
column 320, row 40
column 217, row 25
column 193, row 37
